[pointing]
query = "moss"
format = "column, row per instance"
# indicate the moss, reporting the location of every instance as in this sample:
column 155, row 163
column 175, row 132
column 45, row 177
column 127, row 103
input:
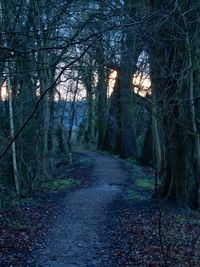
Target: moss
column 144, row 183
column 115, row 156
column 178, row 256
column 18, row 201
column 59, row 185
column 28, row 201
column 197, row 251
column 196, row 223
column 138, row 190
column 130, row 163
column 134, row 196
column 85, row 161
column 19, row 226
column 181, row 218
column 15, row 224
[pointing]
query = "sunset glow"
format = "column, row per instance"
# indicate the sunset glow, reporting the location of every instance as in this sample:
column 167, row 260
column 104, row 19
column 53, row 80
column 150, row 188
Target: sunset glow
column 4, row 94
column 141, row 83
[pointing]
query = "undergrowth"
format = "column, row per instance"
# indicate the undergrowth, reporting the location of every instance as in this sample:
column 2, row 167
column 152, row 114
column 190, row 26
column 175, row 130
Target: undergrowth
column 62, row 181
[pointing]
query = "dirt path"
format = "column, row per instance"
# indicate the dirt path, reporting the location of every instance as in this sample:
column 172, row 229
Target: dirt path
column 76, row 237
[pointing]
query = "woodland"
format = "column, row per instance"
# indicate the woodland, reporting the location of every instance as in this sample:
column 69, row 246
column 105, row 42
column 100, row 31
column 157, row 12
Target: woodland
column 119, row 76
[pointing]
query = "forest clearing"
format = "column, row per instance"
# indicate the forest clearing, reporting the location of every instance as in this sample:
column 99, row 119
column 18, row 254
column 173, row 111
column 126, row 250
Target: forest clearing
column 100, row 133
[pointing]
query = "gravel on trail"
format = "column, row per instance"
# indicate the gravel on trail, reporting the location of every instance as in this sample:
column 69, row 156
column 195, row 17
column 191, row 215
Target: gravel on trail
column 77, row 237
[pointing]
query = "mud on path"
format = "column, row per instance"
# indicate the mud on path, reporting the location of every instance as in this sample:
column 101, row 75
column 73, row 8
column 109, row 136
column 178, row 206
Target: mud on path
column 78, row 237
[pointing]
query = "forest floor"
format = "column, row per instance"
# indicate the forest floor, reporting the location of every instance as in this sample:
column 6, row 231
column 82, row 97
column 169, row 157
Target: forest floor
column 109, row 220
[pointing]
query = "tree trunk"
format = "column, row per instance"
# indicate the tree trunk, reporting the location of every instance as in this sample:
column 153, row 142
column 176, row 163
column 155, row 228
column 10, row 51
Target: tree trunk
column 127, row 69
column 12, row 133
column 101, row 98
column 112, row 140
